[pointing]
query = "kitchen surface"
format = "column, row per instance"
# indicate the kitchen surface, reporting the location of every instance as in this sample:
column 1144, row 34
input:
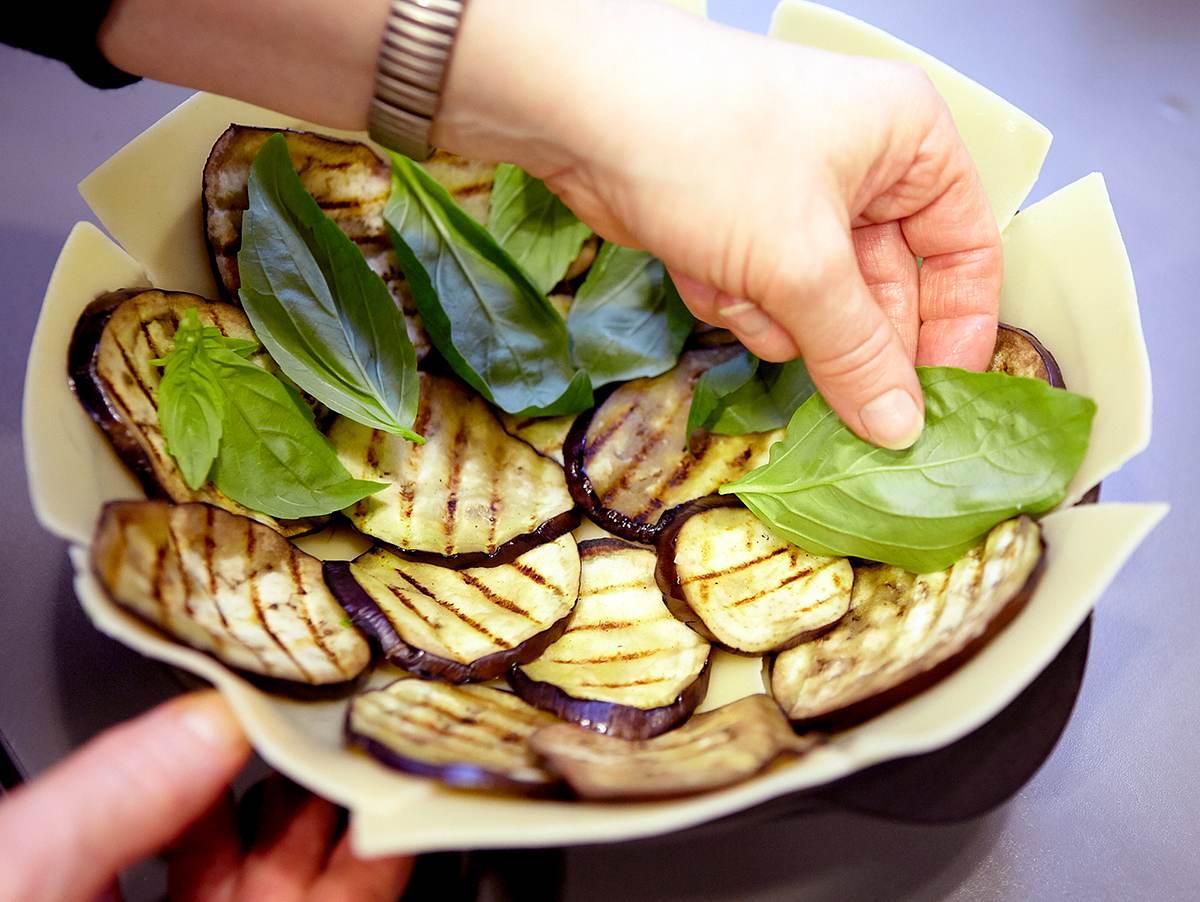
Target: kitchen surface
column 1111, row 814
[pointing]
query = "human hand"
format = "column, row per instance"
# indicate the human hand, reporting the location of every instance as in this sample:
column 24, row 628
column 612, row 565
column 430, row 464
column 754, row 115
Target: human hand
column 161, row 781
column 788, row 190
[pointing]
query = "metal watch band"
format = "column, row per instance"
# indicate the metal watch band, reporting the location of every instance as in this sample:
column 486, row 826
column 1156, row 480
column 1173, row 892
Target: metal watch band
column 412, row 67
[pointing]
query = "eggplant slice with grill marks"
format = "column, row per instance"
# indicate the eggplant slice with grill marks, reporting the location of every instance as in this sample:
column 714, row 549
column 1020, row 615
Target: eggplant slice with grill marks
column 712, row 750
column 233, row 588
column 460, row 625
column 472, row 737
column 628, row 460
column 624, row 666
column 1019, row 353
column 545, row 435
column 749, row 590
column 471, row 496
column 349, row 182
column 904, row 631
column 110, row 368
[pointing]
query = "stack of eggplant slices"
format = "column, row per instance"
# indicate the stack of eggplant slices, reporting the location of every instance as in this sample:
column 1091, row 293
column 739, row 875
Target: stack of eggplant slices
column 532, row 652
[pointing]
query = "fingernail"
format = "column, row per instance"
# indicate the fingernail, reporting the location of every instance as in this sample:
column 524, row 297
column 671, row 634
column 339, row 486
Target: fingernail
column 892, row 420
column 207, row 717
column 745, row 317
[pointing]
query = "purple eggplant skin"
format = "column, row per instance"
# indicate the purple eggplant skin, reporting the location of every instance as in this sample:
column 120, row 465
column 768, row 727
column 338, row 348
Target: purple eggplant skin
column 552, row 529
column 89, row 388
column 858, row 712
column 365, row 614
column 610, row 718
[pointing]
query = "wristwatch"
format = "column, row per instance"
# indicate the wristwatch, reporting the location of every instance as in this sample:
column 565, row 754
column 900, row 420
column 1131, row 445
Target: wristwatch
column 413, row 60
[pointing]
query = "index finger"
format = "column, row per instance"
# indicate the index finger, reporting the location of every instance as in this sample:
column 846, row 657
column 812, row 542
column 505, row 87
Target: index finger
column 963, row 266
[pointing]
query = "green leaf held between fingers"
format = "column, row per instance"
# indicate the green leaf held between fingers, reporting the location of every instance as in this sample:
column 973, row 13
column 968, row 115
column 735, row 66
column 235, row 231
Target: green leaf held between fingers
column 491, row 324
column 994, row 446
column 536, row 228
column 743, row 395
column 627, row 321
column 225, row 415
column 325, row 317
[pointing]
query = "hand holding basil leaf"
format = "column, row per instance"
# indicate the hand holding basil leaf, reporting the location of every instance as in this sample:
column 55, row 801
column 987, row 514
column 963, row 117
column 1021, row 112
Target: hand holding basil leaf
column 223, row 414
column 994, row 446
column 325, row 317
column 491, row 324
column 541, row 235
column 627, row 320
column 743, row 395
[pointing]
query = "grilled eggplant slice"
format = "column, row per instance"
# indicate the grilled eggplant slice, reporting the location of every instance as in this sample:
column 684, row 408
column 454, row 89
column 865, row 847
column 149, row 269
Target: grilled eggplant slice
column 467, row 736
column 710, row 751
column 904, row 632
column 628, row 461
column 1019, row 353
column 471, row 496
column 460, row 625
column 624, row 666
column 110, row 368
column 349, row 182
column 545, row 435
column 750, row 591
column 468, row 181
column 231, row 587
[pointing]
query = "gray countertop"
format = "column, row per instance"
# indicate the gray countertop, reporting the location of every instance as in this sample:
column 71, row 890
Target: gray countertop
column 1112, row 814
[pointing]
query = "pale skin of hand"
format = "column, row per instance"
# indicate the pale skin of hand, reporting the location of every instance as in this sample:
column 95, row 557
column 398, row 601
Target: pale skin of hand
column 161, row 782
column 788, row 190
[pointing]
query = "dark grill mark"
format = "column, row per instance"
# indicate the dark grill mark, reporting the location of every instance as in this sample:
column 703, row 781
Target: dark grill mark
column 601, row 626
column 411, row 608
column 498, row 600
column 786, row 581
column 533, row 576
column 734, row 568
column 210, row 546
column 458, row 452
column 468, row 620
column 605, row 659
column 595, row 445
column 646, row 681
column 133, row 372
column 256, row 603
column 472, row 189
column 373, row 449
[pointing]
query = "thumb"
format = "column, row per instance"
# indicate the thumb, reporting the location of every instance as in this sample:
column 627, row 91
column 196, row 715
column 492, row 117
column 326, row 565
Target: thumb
column 124, row 795
column 853, row 353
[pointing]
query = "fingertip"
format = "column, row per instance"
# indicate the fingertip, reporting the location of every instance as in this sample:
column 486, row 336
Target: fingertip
column 207, row 716
column 893, row 419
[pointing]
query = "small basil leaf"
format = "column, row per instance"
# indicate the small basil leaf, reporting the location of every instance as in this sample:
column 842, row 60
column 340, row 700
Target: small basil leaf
column 190, row 403
column 627, row 320
column 536, row 228
column 490, row 323
column 994, row 446
column 272, row 459
column 716, row 384
column 325, row 317
column 765, row 402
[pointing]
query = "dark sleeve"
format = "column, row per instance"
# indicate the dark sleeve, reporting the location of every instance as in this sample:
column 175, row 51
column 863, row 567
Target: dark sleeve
column 67, row 32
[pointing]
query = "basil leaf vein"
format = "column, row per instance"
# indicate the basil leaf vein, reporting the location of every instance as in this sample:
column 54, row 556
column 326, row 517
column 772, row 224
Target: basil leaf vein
column 325, row 317
column 627, row 320
column 487, row 319
column 994, row 446
column 540, row 233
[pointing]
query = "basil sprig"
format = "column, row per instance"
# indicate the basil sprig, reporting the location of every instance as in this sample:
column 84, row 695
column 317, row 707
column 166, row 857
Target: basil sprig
column 483, row 314
column 540, row 233
column 627, row 319
column 325, row 317
column 743, row 394
column 994, row 446
column 224, row 415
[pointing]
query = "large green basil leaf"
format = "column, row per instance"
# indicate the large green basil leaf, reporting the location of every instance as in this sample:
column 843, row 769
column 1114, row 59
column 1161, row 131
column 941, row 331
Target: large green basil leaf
column 325, row 317
column 536, row 228
column 490, row 323
column 272, row 458
column 627, row 320
column 994, row 446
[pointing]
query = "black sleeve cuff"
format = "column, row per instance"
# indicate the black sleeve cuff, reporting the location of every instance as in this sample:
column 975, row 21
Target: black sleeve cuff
column 66, row 32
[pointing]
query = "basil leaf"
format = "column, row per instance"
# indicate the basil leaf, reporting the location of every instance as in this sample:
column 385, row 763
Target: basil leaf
column 325, row 317
column 490, row 323
column 272, row 458
column 994, row 446
column 191, row 404
column 766, row 401
column 714, row 385
column 627, row 320
column 540, row 233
